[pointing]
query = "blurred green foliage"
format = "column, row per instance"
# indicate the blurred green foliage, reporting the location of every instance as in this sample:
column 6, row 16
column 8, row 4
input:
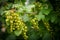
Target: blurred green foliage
column 48, row 19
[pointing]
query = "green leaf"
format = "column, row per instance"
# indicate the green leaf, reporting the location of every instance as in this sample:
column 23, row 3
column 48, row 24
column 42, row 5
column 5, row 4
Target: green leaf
column 25, row 18
column 11, row 37
column 46, row 9
column 46, row 12
column 29, row 8
column 47, row 36
column 40, row 16
column 17, row 33
column 53, row 19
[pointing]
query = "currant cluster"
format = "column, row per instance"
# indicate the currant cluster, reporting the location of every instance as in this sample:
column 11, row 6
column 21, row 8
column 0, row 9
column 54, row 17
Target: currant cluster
column 13, row 20
column 34, row 22
column 47, row 25
column 25, row 32
column 15, row 23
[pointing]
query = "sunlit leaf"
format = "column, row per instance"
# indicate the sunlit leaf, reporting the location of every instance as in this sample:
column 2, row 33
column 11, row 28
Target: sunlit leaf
column 40, row 16
column 17, row 33
column 25, row 18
